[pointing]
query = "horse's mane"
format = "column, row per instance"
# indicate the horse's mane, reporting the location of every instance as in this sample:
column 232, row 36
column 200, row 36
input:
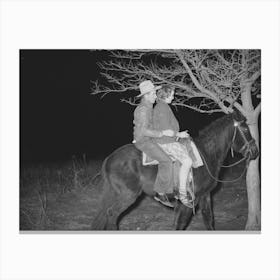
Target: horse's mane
column 210, row 132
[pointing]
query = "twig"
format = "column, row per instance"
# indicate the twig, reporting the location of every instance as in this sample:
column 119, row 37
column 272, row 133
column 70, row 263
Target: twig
column 29, row 218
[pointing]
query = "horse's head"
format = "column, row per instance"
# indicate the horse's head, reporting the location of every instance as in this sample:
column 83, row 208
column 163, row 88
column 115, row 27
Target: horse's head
column 242, row 141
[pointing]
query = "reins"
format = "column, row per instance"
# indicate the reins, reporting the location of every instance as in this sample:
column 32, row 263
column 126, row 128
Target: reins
column 225, row 181
column 235, row 163
column 247, row 158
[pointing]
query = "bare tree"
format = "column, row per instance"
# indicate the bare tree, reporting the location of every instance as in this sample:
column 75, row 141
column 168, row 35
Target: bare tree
column 206, row 81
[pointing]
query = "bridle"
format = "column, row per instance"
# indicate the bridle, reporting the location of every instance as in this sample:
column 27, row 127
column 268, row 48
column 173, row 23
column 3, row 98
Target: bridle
column 247, row 144
column 248, row 152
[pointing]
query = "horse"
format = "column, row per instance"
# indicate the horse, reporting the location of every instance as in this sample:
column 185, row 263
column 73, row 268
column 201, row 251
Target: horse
column 124, row 177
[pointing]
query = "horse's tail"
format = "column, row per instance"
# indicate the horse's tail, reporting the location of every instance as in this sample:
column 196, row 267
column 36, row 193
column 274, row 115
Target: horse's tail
column 104, row 210
column 106, row 200
column 100, row 220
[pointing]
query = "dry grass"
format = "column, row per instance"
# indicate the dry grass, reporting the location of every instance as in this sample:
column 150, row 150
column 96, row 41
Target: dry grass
column 42, row 186
column 64, row 197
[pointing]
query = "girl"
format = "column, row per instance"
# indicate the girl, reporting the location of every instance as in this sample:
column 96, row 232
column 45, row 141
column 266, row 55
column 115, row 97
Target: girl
column 163, row 118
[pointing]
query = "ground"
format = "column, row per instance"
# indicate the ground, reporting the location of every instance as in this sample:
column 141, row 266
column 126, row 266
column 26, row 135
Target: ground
column 65, row 197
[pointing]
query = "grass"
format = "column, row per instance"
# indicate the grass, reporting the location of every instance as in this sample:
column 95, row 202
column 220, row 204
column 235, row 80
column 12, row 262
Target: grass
column 41, row 186
column 65, row 196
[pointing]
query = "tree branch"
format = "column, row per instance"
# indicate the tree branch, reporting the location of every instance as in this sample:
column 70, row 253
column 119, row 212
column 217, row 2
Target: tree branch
column 214, row 77
column 254, row 77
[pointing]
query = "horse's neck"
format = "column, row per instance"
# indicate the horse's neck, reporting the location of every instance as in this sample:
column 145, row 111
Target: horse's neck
column 216, row 148
column 225, row 143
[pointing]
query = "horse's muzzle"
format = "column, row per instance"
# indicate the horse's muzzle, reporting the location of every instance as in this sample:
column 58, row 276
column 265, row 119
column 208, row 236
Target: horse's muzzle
column 253, row 150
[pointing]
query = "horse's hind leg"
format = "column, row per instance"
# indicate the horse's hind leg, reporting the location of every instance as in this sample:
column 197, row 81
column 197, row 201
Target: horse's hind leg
column 183, row 215
column 207, row 212
column 120, row 205
column 111, row 206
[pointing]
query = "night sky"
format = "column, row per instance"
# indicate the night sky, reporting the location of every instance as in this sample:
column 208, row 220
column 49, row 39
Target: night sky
column 59, row 118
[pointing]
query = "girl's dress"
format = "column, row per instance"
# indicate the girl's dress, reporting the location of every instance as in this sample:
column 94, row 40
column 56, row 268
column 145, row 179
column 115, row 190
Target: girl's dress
column 163, row 118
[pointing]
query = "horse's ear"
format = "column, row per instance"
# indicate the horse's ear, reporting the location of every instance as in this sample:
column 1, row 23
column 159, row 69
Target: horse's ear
column 237, row 115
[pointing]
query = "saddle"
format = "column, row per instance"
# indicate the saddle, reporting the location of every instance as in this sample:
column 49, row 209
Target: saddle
column 194, row 153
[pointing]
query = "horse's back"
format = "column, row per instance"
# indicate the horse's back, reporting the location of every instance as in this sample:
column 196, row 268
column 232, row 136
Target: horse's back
column 124, row 168
column 123, row 158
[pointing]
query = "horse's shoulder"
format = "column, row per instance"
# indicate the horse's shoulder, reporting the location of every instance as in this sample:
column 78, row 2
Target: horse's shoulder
column 198, row 141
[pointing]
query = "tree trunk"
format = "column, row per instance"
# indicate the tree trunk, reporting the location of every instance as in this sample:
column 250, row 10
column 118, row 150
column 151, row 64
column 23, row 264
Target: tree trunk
column 253, row 175
column 253, row 187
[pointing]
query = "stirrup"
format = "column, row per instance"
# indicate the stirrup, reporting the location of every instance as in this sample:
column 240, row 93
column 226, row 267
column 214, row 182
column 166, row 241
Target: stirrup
column 188, row 198
column 190, row 194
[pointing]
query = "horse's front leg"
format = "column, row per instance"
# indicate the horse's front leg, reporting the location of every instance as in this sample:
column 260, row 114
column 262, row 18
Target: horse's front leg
column 183, row 215
column 207, row 212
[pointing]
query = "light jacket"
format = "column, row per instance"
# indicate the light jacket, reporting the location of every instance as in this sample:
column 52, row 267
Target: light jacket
column 143, row 123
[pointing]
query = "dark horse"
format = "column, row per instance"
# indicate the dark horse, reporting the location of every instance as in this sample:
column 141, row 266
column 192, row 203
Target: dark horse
column 124, row 178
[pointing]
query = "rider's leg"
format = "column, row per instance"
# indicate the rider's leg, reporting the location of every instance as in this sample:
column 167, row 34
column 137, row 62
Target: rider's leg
column 163, row 183
column 178, row 151
column 186, row 165
column 184, row 188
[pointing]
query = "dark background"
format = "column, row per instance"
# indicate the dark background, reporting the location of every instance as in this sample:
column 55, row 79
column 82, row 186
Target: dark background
column 59, row 118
